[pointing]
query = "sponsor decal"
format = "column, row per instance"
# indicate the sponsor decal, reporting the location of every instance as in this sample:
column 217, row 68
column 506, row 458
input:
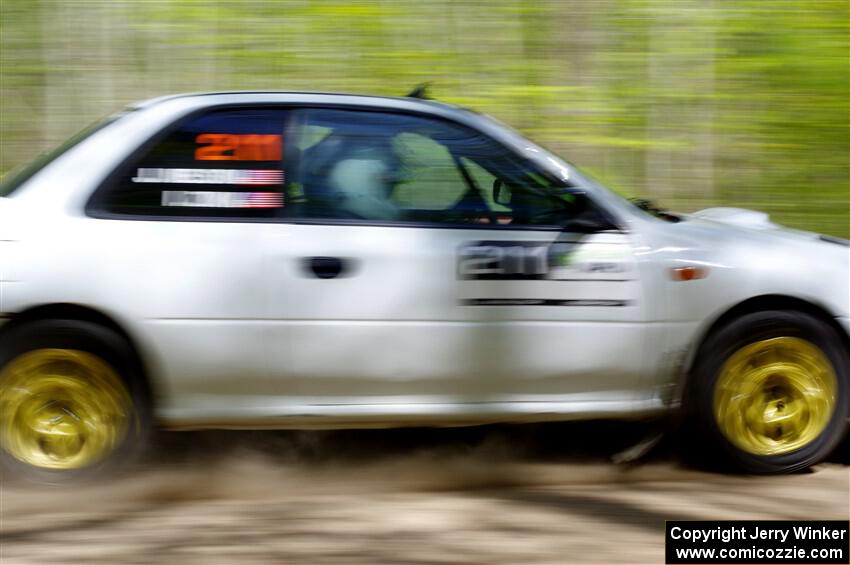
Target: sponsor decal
column 238, row 147
column 204, row 199
column 245, row 177
column 534, row 266
column 602, row 267
column 503, row 260
column 594, row 257
column 540, row 302
column 538, row 260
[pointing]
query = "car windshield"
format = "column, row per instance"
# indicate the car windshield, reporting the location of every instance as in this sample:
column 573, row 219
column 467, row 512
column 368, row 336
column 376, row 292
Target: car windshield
column 549, row 161
column 18, row 176
column 570, row 173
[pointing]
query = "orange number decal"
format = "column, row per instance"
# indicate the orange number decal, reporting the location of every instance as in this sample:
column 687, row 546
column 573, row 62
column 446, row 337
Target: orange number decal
column 259, row 148
column 233, row 147
column 218, row 147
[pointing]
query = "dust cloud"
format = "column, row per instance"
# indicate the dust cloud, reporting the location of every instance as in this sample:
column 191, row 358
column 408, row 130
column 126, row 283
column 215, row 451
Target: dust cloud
column 493, row 494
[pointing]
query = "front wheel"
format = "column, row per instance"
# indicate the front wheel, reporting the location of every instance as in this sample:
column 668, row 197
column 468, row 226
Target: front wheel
column 769, row 392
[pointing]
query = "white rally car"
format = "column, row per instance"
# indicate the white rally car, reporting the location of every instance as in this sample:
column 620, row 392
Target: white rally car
column 285, row 260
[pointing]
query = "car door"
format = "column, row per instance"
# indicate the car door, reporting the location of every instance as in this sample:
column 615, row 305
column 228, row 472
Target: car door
column 426, row 268
column 181, row 227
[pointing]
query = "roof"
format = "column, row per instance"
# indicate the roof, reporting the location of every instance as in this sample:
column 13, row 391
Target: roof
column 159, row 99
column 193, row 101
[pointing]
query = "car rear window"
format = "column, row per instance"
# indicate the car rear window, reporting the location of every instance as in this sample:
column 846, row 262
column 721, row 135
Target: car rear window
column 223, row 163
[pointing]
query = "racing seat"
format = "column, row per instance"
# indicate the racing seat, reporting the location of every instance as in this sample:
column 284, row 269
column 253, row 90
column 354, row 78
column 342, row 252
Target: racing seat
column 347, row 177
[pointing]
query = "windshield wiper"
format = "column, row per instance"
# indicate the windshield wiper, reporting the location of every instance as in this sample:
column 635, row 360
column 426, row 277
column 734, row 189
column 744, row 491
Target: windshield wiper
column 654, row 209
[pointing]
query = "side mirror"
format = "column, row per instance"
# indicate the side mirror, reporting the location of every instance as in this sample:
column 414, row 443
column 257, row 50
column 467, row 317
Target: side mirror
column 576, row 201
column 501, row 193
column 585, row 217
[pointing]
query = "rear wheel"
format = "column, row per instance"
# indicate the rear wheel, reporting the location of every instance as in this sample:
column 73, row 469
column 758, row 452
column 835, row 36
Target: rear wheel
column 71, row 400
column 769, row 392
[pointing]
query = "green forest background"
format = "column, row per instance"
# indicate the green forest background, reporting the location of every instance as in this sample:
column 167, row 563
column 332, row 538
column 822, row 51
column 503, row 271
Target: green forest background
column 692, row 103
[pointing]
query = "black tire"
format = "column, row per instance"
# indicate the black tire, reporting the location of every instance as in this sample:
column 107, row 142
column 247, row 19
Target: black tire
column 709, row 445
column 108, row 347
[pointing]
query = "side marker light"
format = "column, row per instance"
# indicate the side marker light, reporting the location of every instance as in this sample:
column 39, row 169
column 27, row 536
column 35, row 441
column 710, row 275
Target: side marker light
column 688, row 273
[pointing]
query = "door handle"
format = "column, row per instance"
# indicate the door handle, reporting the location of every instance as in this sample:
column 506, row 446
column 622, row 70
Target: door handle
column 325, row 267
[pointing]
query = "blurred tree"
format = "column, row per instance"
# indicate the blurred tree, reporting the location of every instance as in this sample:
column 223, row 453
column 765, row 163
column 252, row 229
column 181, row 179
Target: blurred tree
column 694, row 102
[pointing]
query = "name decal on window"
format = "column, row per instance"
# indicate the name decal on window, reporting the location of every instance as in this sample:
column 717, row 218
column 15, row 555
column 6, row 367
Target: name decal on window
column 246, row 177
column 204, row 199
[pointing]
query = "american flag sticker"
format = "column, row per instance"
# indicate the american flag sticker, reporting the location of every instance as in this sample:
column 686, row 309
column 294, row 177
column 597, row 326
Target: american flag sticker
column 243, row 177
column 259, row 177
column 207, row 199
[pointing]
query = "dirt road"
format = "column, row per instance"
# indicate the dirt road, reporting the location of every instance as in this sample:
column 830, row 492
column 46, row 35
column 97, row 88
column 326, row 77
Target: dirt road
column 491, row 495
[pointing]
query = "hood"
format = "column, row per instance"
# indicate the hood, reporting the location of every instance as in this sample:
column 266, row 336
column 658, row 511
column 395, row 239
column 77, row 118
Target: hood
column 737, row 217
column 721, row 227
column 740, row 222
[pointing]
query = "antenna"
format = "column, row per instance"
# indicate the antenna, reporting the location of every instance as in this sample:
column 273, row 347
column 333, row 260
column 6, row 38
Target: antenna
column 420, row 91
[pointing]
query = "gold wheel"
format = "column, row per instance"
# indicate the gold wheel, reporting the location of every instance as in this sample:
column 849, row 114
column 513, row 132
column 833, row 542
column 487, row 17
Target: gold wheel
column 62, row 409
column 775, row 396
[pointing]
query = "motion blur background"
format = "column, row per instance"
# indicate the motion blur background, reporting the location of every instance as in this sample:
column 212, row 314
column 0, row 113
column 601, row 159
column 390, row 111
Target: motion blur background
column 693, row 103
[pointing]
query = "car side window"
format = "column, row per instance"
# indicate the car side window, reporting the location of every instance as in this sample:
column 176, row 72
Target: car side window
column 484, row 178
column 383, row 167
column 431, row 178
column 224, row 163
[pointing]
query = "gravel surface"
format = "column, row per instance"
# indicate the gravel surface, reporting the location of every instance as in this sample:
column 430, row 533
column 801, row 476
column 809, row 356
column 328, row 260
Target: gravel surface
column 482, row 495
